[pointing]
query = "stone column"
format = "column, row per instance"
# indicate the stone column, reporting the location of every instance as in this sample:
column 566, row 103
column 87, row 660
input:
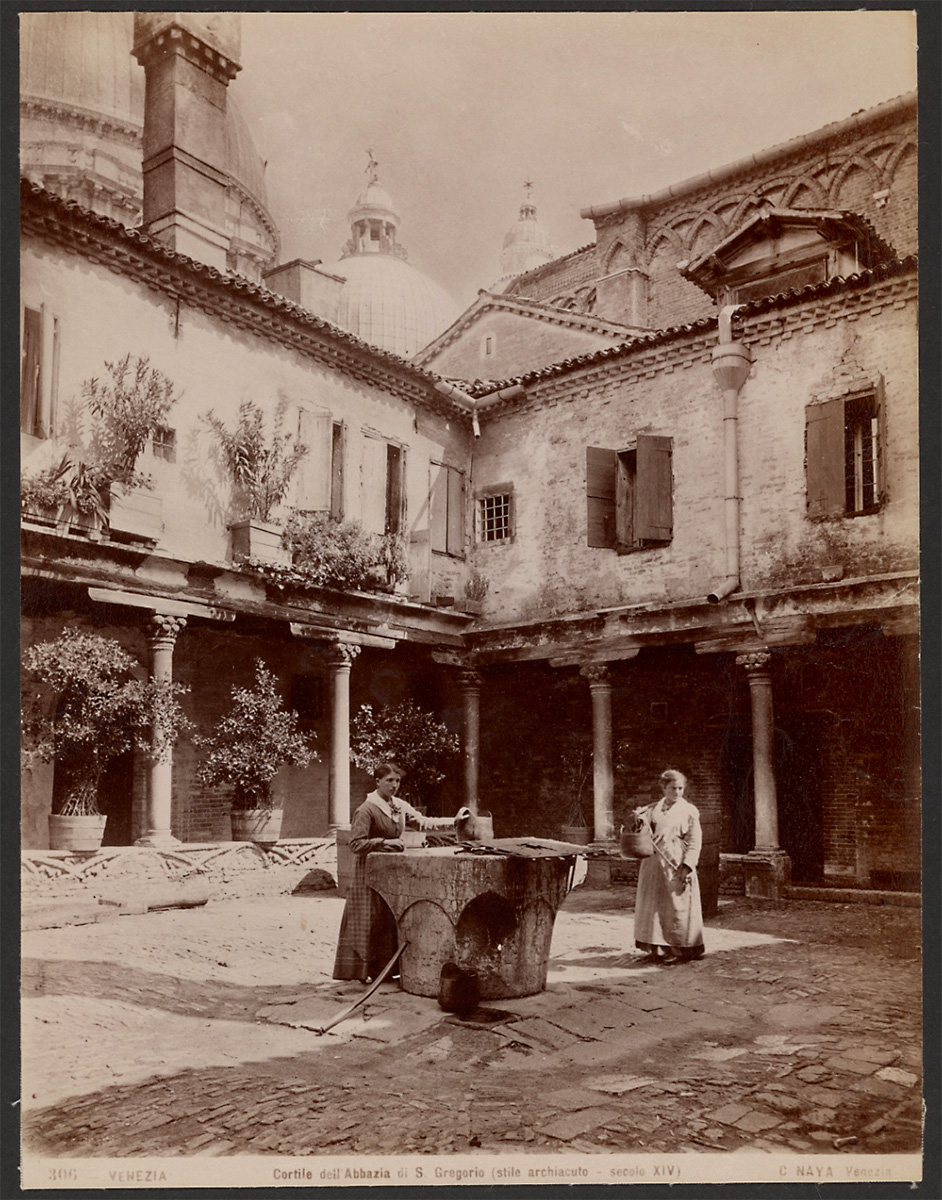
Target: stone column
column 340, row 660
column 470, row 682
column 768, row 867
column 602, row 774
column 161, row 640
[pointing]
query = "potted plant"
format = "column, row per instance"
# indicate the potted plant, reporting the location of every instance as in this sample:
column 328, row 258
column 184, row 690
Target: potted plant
column 475, row 589
column 407, row 735
column 45, row 495
column 576, row 771
column 260, row 468
column 245, row 751
column 128, row 409
column 92, row 706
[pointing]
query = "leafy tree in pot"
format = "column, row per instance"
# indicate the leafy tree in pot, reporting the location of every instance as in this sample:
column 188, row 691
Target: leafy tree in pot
column 407, row 735
column 127, row 410
column 255, row 738
column 260, row 465
column 92, row 708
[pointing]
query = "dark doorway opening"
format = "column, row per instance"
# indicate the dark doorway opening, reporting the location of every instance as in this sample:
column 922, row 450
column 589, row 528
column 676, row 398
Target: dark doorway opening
column 797, row 784
column 116, row 799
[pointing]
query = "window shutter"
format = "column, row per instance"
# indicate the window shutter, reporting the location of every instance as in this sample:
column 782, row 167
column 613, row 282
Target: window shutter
column 455, row 536
column 373, row 485
column 879, row 397
column 315, row 430
column 600, row 497
column 653, row 515
column 393, row 488
column 30, row 377
column 338, row 442
column 824, row 441
column 438, row 507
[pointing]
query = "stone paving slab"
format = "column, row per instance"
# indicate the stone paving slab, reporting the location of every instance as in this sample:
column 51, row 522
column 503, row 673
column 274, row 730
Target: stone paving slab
column 567, row 1128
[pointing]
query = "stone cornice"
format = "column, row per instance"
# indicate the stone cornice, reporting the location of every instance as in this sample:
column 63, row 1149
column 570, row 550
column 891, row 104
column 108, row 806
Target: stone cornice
column 65, row 113
column 231, row 297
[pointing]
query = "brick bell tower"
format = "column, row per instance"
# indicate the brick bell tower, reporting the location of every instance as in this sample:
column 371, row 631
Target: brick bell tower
column 188, row 60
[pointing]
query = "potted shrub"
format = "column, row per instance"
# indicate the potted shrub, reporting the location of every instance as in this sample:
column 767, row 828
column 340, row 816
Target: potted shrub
column 245, row 751
column 576, row 773
column 92, row 707
column 407, row 735
column 127, row 409
column 45, row 495
column 475, row 589
column 260, row 467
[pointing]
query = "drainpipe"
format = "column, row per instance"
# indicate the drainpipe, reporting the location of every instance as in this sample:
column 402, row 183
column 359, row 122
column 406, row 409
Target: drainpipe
column 475, row 403
column 731, row 363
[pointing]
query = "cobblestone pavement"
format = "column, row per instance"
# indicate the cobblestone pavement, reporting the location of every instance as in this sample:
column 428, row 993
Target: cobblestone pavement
column 192, row 1032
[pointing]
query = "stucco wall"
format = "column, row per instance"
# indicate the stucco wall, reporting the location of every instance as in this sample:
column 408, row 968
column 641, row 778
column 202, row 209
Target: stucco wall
column 520, row 344
column 800, row 355
column 103, row 315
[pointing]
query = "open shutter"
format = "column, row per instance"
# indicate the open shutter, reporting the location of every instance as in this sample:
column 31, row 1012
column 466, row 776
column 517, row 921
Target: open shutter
column 600, row 497
column 624, row 500
column 373, row 487
column 315, row 430
column 394, row 460
column 30, row 375
column 438, row 507
column 824, row 447
column 455, row 512
column 879, row 398
column 653, row 510
column 338, row 443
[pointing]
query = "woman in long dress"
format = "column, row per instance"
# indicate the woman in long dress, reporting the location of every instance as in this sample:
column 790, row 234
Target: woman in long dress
column 368, row 937
column 668, row 915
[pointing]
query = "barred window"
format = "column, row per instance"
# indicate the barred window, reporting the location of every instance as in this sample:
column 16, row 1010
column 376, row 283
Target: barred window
column 496, row 516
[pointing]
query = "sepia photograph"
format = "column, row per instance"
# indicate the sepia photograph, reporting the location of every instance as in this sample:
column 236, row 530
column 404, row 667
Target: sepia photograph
column 469, row 597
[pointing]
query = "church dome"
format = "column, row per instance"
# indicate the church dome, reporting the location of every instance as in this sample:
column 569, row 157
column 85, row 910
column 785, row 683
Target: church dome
column 389, row 303
column 384, row 299
column 526, row 245
column 82, row 116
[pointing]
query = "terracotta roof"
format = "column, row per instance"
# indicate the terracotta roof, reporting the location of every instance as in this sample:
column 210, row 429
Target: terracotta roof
column 754, row 308
column 546, row 268
column 527, row 307
column 45, row 206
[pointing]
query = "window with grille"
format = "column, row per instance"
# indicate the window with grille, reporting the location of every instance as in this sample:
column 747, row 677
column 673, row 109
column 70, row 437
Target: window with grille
column 496, row 515
column 844, row 454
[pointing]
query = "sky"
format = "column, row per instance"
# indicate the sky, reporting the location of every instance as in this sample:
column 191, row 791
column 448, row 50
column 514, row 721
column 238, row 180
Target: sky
column 460, row 109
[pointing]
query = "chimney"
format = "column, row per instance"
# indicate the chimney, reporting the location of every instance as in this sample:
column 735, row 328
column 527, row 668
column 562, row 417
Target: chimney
column 188, row 60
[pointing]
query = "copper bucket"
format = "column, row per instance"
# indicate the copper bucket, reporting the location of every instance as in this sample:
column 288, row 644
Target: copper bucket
column 637, row 842
column 478, row 827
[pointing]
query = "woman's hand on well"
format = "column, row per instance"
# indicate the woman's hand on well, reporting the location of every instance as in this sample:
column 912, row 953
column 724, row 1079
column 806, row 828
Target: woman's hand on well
column 393, row 844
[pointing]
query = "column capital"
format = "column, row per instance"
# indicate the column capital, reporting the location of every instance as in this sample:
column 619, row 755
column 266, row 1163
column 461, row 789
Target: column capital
column 754, row 660
column 470, row 679
column 596, row 673
column 342, row 654
column 164, row 628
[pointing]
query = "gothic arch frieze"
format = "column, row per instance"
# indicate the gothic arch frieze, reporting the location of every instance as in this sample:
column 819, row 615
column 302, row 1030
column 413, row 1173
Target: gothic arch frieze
column 896, row 156
column 855, row 162
column 792, row 196
column 709, row 224
column 664, row 238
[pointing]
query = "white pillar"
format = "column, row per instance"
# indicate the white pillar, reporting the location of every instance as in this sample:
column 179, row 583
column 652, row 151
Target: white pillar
column 470, row 683
column 162, row 639
column 340, row 661
column 602, row 773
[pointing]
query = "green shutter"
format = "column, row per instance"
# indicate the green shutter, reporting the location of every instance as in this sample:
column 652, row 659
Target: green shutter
column 653, row 507
column 824, row 447
column 600, row 497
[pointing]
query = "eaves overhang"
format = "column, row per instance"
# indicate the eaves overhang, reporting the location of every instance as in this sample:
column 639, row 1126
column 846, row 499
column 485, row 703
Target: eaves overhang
column 136, row 254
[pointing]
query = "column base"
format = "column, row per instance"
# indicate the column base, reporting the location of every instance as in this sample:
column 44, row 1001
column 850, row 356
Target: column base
column 599, row 874
column 767, row 874
column 158, row 840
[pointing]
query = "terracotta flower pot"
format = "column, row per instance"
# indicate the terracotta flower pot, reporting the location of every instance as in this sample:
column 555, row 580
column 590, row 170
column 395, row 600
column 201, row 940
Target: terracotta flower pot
column 262, row 825
column 76, row 833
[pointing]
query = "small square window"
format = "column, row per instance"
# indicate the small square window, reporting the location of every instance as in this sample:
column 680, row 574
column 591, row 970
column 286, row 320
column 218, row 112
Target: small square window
column 495, row 517
column 164, row 444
